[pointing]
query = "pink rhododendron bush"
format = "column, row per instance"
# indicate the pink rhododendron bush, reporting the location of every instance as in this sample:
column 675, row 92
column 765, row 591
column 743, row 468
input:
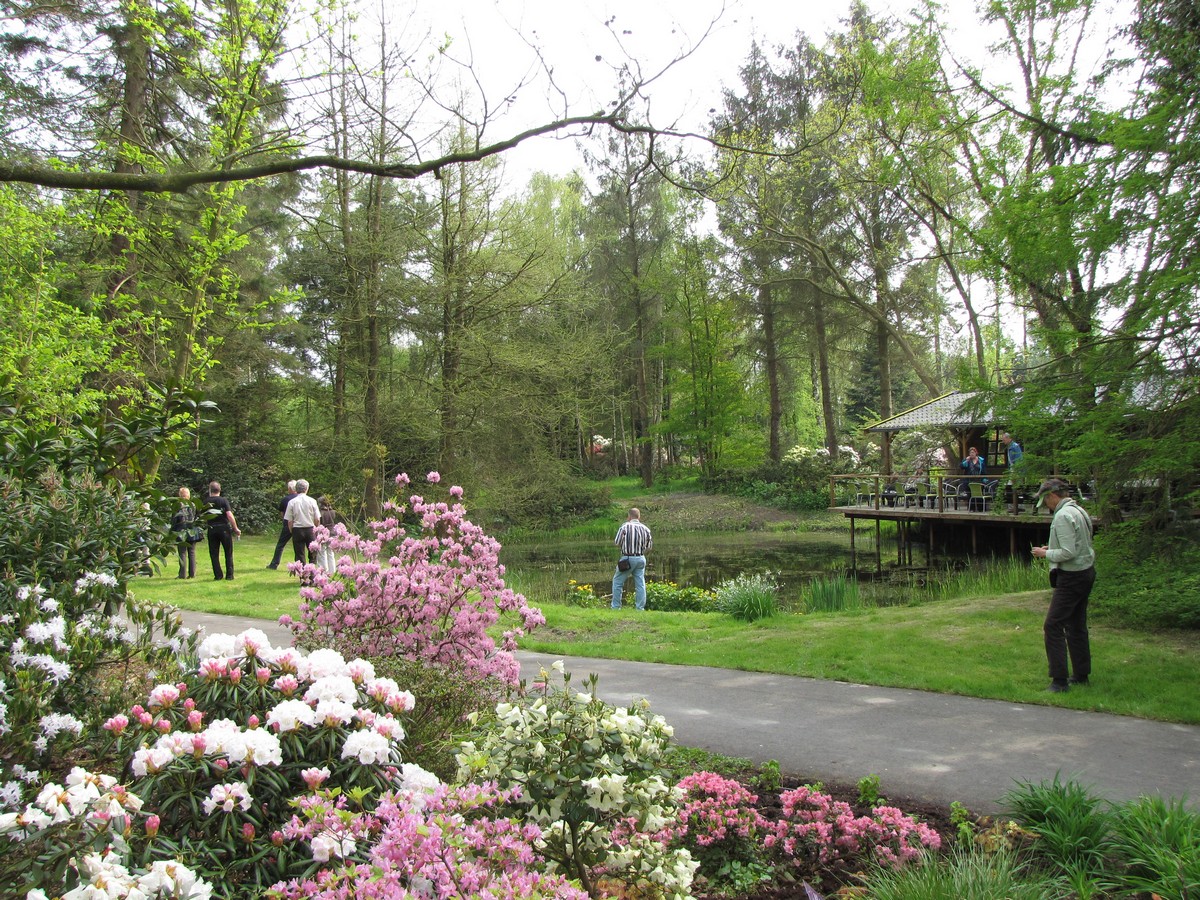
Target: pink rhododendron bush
column 815, row 831
column 425, row 584
column 721, row 827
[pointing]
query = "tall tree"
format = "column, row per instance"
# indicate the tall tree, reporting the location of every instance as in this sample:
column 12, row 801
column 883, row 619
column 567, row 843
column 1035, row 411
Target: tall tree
column 630, row 230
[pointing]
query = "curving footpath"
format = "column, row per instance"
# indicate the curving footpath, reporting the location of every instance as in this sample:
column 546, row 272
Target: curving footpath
column 935, row 747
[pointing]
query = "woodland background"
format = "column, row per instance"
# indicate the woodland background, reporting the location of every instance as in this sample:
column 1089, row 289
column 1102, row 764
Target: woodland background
column 267, row 253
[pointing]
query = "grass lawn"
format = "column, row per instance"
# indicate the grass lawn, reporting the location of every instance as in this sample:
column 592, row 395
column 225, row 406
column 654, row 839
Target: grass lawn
column 255, row 590
column 988, row 647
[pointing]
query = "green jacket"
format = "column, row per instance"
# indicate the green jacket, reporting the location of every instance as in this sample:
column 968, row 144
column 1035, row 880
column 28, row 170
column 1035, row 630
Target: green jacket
column 1070, row 546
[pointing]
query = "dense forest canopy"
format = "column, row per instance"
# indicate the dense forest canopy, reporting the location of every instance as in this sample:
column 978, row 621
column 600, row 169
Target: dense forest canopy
column 190, row 202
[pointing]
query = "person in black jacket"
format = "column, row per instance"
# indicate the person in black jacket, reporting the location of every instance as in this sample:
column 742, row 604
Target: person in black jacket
column 285, row 533
column 222, row 526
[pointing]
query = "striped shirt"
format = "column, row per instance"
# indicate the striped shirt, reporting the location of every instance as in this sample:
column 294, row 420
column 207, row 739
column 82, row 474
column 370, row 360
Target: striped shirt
column 633, row 538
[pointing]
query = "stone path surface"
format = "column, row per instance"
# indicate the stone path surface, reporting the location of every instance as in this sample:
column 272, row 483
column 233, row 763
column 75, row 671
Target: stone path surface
column 936, row 747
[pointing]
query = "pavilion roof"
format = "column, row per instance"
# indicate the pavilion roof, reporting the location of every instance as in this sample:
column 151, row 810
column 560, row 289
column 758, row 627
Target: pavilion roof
column 953, row 410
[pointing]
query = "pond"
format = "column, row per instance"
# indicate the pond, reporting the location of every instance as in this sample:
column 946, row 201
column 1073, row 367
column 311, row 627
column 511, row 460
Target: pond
column 701, row 560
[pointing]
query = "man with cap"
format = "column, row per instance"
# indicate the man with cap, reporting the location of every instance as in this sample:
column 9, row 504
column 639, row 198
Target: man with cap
column 1072, row 574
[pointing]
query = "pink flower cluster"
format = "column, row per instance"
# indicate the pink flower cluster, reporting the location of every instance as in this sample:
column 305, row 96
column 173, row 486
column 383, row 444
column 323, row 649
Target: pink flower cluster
column 450, row 844
column 429, row 596
column 815, row 829
column 716, row 810
column 718, row 823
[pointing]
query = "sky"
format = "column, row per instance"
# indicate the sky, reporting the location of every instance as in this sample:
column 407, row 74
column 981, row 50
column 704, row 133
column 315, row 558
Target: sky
column 583, row 40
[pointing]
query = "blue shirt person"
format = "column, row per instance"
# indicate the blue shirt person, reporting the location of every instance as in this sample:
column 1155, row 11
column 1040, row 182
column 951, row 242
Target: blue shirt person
column 1012, row 450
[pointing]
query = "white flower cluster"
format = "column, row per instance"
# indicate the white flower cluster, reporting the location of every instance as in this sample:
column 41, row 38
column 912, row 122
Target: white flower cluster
column 90, row 579
column 103, row 877
column 221, row 739
column 97, row 799
column 331, row 699
column 586, row 768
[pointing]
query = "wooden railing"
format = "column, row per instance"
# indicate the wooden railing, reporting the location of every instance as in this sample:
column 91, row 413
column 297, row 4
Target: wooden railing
column 884, row 491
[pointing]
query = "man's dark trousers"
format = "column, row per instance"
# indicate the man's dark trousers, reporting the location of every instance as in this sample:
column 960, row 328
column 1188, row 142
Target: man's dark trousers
column 285, row 534
column 285, row 538
column 1065, row 628
column 220, row 539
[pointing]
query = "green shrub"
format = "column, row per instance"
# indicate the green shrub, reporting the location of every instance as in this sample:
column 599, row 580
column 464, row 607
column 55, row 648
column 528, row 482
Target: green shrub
column 591, row 777
column 1157, row 845
column 438, row 721
column 837, row 593
column 667, row 596
column 584, row 595
column 57, row 528
column 1146, row 586
column 748, row 597
column 1073, row 824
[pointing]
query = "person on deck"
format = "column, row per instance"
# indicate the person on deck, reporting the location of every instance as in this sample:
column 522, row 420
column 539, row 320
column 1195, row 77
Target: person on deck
column 1012, row 451
column 634, row 539
column 1072, row 574
column 972, row 465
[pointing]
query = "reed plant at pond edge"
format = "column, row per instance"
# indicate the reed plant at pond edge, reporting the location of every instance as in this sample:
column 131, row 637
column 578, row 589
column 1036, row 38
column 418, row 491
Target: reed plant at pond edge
column 837, row 593
column 748, row 598
column 999, row 576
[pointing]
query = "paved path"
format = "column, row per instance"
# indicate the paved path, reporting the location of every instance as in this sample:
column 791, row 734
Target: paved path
column 936, row 747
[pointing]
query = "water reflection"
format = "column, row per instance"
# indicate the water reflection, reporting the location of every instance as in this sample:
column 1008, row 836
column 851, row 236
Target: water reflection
column 693, row 560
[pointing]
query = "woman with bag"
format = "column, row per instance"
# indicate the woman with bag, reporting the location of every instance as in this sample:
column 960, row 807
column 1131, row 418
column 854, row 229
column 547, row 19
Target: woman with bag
column 329, row 518
column 187, row 532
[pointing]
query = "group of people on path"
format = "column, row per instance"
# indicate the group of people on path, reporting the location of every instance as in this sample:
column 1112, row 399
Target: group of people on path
column 301, row 515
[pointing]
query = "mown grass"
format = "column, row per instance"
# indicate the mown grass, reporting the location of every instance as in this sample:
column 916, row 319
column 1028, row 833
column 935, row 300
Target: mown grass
column 255, row 591
column 987, row 646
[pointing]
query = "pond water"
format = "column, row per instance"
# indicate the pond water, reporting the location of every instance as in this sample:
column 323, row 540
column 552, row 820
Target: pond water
column 701, row 560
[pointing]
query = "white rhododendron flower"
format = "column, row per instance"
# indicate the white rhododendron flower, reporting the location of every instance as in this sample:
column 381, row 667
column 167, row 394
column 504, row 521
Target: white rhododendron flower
column 290, row 715
column 368, row 747
column 228, row 797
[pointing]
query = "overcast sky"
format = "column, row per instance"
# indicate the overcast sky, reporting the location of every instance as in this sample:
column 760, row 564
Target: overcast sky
column 573, row 33
column 585, row 41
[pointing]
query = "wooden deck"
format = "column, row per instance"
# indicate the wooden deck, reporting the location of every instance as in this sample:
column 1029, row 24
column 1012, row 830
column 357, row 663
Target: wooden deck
column 996, row 530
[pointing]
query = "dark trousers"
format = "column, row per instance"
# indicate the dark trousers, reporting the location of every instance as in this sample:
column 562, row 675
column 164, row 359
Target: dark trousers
column 1066, row 628
column 285, row 536
column 221, row 539
column 301, row 538
column 187, row 559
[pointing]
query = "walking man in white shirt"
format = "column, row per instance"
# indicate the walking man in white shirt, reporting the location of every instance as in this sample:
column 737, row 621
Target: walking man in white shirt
column 302, row 515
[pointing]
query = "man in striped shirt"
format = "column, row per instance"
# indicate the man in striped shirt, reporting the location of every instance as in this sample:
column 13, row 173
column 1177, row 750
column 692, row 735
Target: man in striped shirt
column 633, row 538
